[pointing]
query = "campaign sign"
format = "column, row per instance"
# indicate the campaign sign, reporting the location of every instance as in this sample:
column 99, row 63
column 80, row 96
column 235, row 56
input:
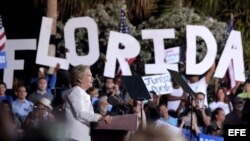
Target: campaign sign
column 161, row 84
column 204, row 137
column 3, row 62
column 172, row 55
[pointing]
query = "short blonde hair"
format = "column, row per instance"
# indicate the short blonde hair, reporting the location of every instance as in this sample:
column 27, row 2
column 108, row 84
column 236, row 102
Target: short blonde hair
column 77, row 73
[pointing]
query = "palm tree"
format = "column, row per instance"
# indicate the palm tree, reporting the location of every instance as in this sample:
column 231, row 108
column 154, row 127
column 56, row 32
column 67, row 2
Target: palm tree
column 49, row 8
column 52, row 13
column 74, row 8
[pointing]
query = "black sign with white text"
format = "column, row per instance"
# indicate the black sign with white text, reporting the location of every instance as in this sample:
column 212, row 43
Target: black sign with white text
column 232, row 132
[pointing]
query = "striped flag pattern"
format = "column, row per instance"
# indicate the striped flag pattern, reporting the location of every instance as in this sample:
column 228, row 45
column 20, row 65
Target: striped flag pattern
column 123, row 28
column 2, row 35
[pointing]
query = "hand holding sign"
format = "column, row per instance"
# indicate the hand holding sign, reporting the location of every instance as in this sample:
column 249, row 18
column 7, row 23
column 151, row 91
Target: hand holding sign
column 161, row 84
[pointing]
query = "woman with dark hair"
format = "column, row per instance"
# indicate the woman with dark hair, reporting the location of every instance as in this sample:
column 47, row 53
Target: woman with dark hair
column 3, row 96
column 216, row 125
column 165, row 117
column 221, row 100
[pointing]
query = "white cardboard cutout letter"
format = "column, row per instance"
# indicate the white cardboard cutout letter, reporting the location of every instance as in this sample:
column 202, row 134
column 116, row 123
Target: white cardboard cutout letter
column 158, row 36
column 131, row 50
column 42, row 56
column 69, row 32
column 233, row 51
column 208, row 60
column 11, row 47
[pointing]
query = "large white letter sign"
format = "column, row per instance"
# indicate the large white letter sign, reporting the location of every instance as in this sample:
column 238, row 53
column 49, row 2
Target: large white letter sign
column 69, row 32
column 131, row 50
column 232, row 51
column 207, row 62
column 42, row 56
column 158, row 36
column 12, row 64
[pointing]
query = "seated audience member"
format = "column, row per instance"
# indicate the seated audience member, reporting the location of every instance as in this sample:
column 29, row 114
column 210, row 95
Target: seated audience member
column 246, row 92
column 220, row 101
column 218, row 118
column 41, row 91
column 21, row 107
column 165, row 117
column 3, row 96
column 103, row 106
column 42, row 113
column 112, row 91
column 110, row 88
column 235, row 117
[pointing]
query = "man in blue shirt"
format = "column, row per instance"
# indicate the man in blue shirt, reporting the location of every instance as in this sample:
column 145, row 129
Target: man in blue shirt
column 41, row 92
column 21, row 107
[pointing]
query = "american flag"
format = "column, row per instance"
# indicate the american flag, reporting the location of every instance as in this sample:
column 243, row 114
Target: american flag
column 2, row 35
column 123, row 28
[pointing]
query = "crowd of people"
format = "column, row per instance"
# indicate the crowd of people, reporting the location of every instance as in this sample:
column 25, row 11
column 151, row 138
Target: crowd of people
column 25, row 115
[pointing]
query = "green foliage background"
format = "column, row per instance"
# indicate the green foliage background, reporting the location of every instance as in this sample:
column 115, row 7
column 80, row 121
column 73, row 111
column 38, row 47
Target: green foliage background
column 107, row 18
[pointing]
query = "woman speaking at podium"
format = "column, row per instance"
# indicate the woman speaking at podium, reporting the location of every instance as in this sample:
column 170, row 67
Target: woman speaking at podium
column 79, row 110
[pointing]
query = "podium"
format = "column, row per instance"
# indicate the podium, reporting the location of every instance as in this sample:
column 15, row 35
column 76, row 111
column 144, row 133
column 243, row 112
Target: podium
column 116, row 131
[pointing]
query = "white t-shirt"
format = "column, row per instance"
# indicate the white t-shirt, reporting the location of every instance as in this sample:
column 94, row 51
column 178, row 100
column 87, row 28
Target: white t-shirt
column 173, row 105
column 220, row 104
column 200, row 86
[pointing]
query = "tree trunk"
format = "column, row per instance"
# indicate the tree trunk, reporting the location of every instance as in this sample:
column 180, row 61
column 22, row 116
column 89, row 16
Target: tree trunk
column 52, row 13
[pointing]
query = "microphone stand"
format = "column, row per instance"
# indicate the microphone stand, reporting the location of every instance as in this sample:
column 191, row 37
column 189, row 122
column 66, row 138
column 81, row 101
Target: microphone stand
column 141, row 113
column 191, row 98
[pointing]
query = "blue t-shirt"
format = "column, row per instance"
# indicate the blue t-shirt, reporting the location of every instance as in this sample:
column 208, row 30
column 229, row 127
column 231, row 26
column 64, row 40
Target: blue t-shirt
column 170, row 120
